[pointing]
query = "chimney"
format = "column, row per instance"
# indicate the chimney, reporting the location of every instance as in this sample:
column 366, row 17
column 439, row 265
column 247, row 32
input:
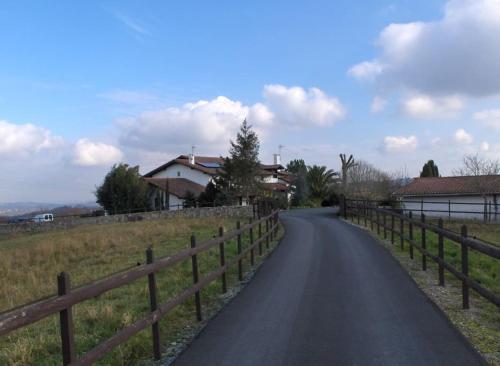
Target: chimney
column 277, row 159
column 191, row 156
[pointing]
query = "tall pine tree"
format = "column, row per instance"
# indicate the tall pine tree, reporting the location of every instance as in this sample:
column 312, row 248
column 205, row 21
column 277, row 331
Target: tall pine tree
column 430, row 169
column 244, row 165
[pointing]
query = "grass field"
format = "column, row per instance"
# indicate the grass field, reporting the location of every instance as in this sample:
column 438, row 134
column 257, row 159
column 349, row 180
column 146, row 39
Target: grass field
column 29, row 264
column 481, row 323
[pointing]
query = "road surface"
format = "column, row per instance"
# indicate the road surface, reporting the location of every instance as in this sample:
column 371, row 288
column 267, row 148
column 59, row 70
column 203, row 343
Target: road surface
column 329, row 295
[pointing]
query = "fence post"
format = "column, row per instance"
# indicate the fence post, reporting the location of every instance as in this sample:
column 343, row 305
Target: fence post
column 410, row 233
column 441, row 252
column 267, row 233
column 365, row 214
column 358, row 213
column 392, row 228
column 222, row 261
column 66, row 321
column 385, row 225
column 370, row 210
column 424, row 244
column 260, row 236
column 240, row 261
column 378, row 222
column 194, row 262
column 153, row 302
column 401, row 232
column 465, row 269
column 252, row 256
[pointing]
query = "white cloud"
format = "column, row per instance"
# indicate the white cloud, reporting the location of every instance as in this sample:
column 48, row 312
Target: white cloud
column 132, row 24
column 461, row 136
column 400, row 143
column 423, row 106
column 129, row 97
column 24, row 140
column 88, row 153
column 378, row 104
column 211, row 124
column 485, row 146
column 457, row 54
column 298, row 107
column 490, row 118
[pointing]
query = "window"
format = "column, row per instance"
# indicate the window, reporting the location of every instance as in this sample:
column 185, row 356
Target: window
column 178, row 173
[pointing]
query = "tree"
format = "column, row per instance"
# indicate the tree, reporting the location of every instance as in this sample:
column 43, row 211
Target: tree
column 368, row 182
column 242, row 169
column 300, row 189
column 476, row 165
column 346, row 165
column 189, row 200
column 429, row 170
column 123, row 190
column 320, row 180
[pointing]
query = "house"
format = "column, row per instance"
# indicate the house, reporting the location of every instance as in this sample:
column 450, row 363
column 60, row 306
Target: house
column 187, row 176
column 471, row 197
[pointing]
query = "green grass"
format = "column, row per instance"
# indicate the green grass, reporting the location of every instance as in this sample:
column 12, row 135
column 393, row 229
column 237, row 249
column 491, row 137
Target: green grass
column 481, row 323
column 29, row 265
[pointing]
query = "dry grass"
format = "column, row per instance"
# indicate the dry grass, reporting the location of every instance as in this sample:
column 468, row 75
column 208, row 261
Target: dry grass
column 29, row 264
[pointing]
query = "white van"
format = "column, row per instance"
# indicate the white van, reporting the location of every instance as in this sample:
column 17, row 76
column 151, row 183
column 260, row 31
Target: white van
column 47, row 217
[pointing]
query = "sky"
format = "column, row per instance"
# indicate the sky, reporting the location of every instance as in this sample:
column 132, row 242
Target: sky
column 85, row 85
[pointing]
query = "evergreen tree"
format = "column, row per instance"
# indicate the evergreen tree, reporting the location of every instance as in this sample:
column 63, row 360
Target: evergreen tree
column 300, row 189
column 429, row 170
column 123, row 190
column 242, row 169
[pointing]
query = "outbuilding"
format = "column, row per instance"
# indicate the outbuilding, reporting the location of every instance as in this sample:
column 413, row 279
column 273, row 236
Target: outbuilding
column 465, row 197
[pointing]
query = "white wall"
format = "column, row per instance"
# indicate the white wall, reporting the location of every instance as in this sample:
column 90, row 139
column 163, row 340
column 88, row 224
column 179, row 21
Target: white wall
column 473, row 204
column 269, row 179
column 175, row 203
column 185, row 172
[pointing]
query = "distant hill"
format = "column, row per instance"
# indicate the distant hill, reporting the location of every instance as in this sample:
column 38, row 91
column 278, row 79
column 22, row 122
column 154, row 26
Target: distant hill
column 29, row 209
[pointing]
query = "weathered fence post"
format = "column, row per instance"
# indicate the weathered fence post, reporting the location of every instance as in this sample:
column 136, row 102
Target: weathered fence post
column 371, row 218
column 194, row 263
column 260, row 235
column 240, row 261
column 441, row 252
column 365, row 214
column 424, row 243
column 267, row 233
column 385, row 225
column 401, row 233
column 392, row 228
column 378, row 222
column 252, row 255
column 358, row 213
column 66, row 321
column 153, row 302
column 222, row 261
column 465, row 269
column 410, row 233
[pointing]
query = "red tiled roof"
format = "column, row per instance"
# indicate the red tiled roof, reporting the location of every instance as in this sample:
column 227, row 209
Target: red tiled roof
column 483, row 184
column 177, row 186
column 198, row 161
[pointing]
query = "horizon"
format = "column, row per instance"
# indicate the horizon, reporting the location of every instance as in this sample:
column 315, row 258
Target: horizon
column 395, row 83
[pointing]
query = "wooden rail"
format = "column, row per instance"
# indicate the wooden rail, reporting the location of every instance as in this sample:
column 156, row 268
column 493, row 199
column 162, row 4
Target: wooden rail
column 68, row 297
column 375, row 215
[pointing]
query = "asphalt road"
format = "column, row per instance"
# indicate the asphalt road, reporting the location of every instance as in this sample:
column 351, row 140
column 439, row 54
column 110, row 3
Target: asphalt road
column 329, row 295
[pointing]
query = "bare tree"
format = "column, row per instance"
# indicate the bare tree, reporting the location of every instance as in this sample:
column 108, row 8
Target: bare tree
column 366, row 181
column 346, row 165
column 476, row 165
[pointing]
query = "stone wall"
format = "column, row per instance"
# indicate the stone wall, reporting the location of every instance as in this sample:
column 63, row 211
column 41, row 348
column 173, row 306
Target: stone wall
column 70, row 222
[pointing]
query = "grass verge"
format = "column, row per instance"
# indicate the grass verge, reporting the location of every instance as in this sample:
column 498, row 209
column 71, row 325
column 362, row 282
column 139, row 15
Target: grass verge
column 481, row 323
column 29, row 264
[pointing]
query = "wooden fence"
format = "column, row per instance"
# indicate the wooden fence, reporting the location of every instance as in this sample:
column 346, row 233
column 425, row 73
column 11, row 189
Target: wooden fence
column 68, row 297
column 367, row 213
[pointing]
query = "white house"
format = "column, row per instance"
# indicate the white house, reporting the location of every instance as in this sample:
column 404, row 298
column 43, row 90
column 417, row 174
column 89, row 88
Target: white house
column 471, row 197
column 171, row 183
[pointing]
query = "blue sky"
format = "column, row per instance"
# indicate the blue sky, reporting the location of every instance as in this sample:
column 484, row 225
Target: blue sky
column 88, row 84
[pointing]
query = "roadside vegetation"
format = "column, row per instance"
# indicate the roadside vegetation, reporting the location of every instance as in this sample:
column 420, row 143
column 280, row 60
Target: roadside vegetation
column 29, row 264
